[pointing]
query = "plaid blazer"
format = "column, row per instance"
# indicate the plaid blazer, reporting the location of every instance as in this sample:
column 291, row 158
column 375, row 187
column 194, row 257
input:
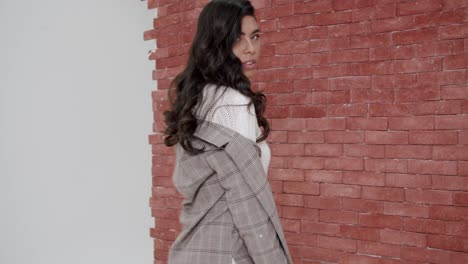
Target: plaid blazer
column 228, row 208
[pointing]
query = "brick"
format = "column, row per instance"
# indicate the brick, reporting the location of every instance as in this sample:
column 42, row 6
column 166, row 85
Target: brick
column 275, row 61
column 292, row 47
column 378, row 248
column 309, row 59
column 305, row 137
column 324, row 150
column 310, row 32
column 382, row 193
column 366, row 123
column 432, row 226
column 288, row 99
column 360, row 233
column 440, row 48
column 408, row 152
column 372, row 95
column 310, row 85
column 386, row 165
column 340, row 190
column 275, row 12
column 338, row 216
column 350, row 55
column 450, row 213
column 323, row 176
column 342, row 244
column 407, row 180
column 289, row 199
column 460, row 198
column 313, row 6
column 418, row 65
column 370, row 41
column 347, row 110
column 307, row 111
column 344, row 164
column 290, row 225
column 301, row 239
column 323, row 202
column 418, row 7
column 358, row 150
column 320, row 124
column 392, row 52
column 394, row 81
column 462, row 168
column 300, row 213
column 415, row 36
column 373, row 12
column 344, row 136
column 362, row 205
column 386, row 137
column 454, row 183
column 278, row 137
column 454, row 92
column 320, row 228
column 432, row 167
column 277, row 112
column 411, row 123
column 429, row 93
column 298, row 73
column 452, row 62
column 388, row 109
column 277, row 36
column 392, row 24
column 350, row 82
column 406, row 209
column 365, row 178
column 276, row 186
column 398, row 237
column 437, row 108
column 380, row 221
column 333, row 18
column 450, row 153
column 446, row 17
column 301, row 188
column 433, row 137
column 425, row 255
column 324, row 254
column 288, row 124
column 463, row 137
column 355, row 259
column 447, row 242
column 442, row 78
column 286, row 174
column 287, row 149
column 428, row 196
column 307, row 163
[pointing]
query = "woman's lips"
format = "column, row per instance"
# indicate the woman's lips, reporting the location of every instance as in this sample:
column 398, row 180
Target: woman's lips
column 250, row 64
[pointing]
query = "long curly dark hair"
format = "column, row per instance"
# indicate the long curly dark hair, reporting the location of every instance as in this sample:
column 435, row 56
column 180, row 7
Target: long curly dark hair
column 211, row 61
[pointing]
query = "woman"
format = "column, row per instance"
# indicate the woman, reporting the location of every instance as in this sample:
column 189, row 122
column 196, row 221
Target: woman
column 228, row 210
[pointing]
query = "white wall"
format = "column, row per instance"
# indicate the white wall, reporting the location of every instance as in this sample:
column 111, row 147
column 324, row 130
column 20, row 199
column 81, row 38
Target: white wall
column 75, row 115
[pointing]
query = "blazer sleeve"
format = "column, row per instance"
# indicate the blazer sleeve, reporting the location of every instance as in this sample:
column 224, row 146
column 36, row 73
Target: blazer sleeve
column 249, row 198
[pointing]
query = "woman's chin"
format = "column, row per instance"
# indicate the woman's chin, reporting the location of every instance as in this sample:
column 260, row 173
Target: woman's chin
column 250, row 73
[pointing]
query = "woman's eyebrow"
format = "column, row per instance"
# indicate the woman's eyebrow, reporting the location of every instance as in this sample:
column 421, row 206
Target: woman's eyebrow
column 255, row 31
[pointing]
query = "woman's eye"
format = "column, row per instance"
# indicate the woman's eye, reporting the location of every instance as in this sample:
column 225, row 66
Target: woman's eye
column 257, row 36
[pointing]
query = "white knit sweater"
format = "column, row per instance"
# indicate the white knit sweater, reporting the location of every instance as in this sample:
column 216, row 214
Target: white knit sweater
column 230, row 110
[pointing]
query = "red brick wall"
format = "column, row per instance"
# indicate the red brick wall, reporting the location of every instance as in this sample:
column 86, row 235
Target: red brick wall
column 368, row 104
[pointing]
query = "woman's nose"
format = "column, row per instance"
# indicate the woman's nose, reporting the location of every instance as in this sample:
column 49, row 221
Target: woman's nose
column 250, row 47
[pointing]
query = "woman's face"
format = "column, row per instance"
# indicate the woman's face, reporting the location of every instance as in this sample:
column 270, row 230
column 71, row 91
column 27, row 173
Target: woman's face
column 247, row 46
